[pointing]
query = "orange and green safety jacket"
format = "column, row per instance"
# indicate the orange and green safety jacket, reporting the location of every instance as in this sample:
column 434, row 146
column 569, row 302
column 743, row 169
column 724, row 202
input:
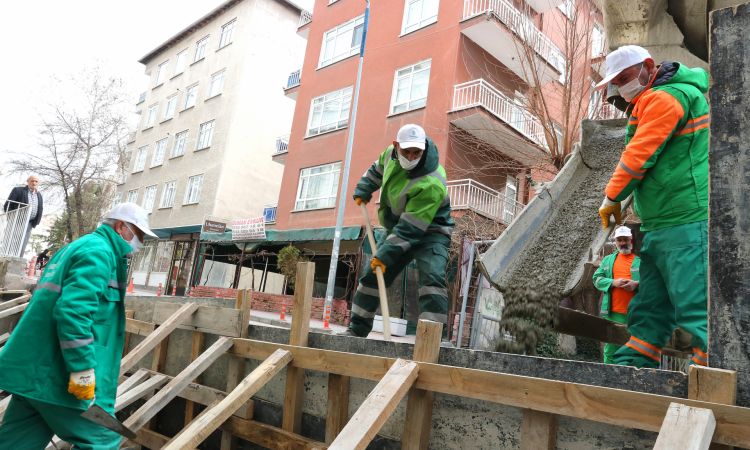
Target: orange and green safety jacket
column 665, row 162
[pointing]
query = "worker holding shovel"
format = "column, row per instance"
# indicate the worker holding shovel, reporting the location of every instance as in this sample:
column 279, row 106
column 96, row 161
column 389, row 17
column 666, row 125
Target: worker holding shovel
column 415, row 211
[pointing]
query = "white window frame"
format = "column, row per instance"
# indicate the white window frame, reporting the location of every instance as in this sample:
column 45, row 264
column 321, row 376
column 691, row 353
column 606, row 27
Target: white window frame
column 191, row 93
column 216, row 85
column 193, row 190
column 597, row 42
column 149, row 197
column 331, row 169
column 226, row 33
column 153, row 112
column 180, row 144
column 318, row 105
column 423, row 21
column 132, row 196
column 509, row 201
column 117, row 199
column 409, row 73
column 161, row 73
column 205, row 135
column 168, row 194
column 200, row 49
column 180, row 62
column 160, row 148
column 140, row 159
column 171, row 107
column 568, row 8
column 345, row 31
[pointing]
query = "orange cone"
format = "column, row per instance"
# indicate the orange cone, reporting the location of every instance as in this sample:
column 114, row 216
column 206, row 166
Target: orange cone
column 131, row 287
column 282, row 313
column 327, row 318
column 159, row 290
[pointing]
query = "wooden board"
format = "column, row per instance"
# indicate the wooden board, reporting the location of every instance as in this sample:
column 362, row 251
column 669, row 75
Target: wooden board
column 129, row 314
column 15, row 302
column 208, row 319
column 337, row 412
column 713, row 385
column 236, row 366
column 140, row 391
column 269, row 436
column 538, row 430
column 4, row 405
column 377, row 407
column 138, row 377
column 146, row 412
column 577, row 323
column 686, row 428
column 139, row 327
column 154, row 338
column 195, row 350
column 18, row 309
column 202, row 427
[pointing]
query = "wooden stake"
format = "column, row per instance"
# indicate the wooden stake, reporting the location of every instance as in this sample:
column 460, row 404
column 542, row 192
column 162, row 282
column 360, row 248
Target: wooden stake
column 140, row 391
column 338, row 405
column 382, row 293
column 538, row 430
column 195, row 349
column 129, row 314
column 686, row 428
column 236, row 367
column 713, row 385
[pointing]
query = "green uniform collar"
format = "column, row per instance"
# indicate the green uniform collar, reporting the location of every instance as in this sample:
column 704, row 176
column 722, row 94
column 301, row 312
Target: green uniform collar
column 121, row 248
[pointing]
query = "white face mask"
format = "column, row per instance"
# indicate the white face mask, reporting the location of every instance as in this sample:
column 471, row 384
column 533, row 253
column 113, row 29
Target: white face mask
column 632, row 88
column 406, row 164
column 135, row 243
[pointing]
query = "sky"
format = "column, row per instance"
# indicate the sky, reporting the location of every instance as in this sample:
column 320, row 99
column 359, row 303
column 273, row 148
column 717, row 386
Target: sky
column 49, row 39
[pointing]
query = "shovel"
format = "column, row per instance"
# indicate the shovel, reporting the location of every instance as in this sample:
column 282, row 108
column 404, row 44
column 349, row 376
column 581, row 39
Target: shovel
column 99, row 416
column 381, row 281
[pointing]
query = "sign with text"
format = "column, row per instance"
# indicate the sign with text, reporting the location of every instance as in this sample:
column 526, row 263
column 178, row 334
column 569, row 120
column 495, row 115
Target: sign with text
column 243, row 229
column 214, row 226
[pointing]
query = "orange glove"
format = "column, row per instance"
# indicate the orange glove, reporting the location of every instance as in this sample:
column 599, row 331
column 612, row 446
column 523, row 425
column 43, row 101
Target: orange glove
column 375, row 263
column 82, row 384
column 610, row 208
column 359, row 201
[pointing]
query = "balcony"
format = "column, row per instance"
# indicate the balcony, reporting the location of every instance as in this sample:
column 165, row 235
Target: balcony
column 305, row 17
column 541, row 6
column 471, row 195
column 269, row 213
column 292, row 83
column 502, row 30
column 141, row 98
column 282, row 148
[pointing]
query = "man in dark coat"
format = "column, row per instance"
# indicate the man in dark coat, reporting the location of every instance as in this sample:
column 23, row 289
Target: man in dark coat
column 26, row 195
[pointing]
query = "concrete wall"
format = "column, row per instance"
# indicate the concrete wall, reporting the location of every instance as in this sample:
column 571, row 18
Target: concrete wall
column 458, row 423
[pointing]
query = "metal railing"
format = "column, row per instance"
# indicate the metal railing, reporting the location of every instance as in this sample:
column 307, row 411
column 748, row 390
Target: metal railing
column 282, row 144
column 293, row 79
column 305, row 17
column 520, row 25
column 141, row 98
column 269, row 213
column 481, row 93
column 14, row 221
column 473, row 195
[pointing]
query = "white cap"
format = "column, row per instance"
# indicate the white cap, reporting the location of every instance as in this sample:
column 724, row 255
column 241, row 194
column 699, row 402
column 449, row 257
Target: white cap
column 623, row 231
column 133, row 214
column 411, row 136
column 621, row 59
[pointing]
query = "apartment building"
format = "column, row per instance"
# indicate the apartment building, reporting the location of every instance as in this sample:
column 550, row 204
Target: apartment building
column 208, row 121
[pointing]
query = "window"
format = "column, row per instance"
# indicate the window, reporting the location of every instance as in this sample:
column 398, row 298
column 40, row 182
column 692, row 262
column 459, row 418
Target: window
column 161, row 73
column 410, row 87
column 317, row 187
column 342, row 42
column 597, row 41
column 159, row 150
column 140, row 159
column 193, row 190
column 151, row 117
column 226, row 34
column 148, row 198
column 133, row 196
column 178, row 149
column 200, row 49
column 418, row 14
column 163, row 257
column 568, row 7
column 329, row 112
column 171, row 106
column 181, row 62
column 167, row 194
column 117, row 199
column 205, row 133
column 509, row 205
column 217, row 84
column 191, row 95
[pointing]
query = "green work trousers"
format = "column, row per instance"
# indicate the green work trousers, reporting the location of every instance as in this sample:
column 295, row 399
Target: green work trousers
column 29, row 425
column 610, row 348
column 673, row 292
column 431, row 256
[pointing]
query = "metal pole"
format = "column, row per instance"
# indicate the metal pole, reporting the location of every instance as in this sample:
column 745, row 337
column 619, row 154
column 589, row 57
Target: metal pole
column 465, row 295
column 343, row 197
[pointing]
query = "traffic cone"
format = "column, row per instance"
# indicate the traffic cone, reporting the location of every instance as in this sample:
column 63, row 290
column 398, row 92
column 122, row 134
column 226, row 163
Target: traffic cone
column 159, row 290
column 282, row 313
column 174, row 289
column 32, row 266
column 131, row 287
column 327, row 317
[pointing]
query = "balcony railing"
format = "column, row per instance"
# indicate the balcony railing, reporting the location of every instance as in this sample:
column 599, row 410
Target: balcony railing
column 269, row 213
column 480, row 93
column 282, row 144
column 141, row 98
column 305, row 17
column 521, row 26
column 14, row 221
column 293, row 79
column 472, row 195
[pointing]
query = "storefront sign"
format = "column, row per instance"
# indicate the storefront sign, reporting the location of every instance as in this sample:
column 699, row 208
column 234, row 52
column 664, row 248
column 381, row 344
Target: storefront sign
column 214, row 226
column 246, row 229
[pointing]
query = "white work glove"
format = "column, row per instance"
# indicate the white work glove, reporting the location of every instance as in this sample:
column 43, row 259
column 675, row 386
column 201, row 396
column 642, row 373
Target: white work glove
column 82, row 384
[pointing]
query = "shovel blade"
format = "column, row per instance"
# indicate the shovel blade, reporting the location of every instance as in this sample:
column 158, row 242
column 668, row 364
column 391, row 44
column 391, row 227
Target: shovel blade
column 99, row 416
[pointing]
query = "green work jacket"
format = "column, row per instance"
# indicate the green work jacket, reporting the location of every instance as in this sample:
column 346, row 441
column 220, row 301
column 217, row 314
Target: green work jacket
column 412, row 202
column 74, row 322
column 603, row 278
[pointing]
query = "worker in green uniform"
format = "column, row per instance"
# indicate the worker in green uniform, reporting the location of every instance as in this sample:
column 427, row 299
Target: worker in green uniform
column 665, row 167
column 65, row 352
column 415, row 211
column 617, row 277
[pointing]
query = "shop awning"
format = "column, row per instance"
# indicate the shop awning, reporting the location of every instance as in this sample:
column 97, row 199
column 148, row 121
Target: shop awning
column 285, row 236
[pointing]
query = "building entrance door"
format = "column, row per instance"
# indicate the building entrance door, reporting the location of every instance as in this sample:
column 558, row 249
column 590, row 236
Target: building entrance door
column 182, row 265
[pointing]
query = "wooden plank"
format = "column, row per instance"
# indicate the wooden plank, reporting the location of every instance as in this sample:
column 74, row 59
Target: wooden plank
column 686, row 428
column 298, row 335
column 14, row 310
column 139, row 327
column 146, row 412
column 154, row 338
column 195, row 349
column 269, row 436
column 338, row 405
column 15, row 302
column 418, row 423
column 713, row 385
column 377, row 407
column 129, row 314
column 199, row 429
column 4, row 405
column 598, row 404
column 159, row 359
column 236, row 366
column 140, row 391
column 150, row 439
column 538, row 430
column 139, row 376
column 208, row 319
column 4, row 338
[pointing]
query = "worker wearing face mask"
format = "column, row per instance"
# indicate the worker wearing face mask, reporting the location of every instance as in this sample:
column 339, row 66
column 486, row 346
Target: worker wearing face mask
column 66, row 350
column 665, row 167
column 617, row 277
column 415, row 211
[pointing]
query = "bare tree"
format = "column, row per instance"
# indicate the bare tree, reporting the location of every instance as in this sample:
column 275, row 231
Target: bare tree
column 81, row 148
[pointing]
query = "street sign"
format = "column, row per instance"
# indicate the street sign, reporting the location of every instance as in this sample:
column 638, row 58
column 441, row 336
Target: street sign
column 245, row 229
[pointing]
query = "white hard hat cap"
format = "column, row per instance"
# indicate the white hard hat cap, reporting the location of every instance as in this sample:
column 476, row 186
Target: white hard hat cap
column 621, row 59
column 623, row 231
column 411, row 136
column 133, row 214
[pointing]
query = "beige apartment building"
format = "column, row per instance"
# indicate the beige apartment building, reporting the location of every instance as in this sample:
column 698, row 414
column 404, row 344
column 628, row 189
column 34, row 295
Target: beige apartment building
column 208, row 121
